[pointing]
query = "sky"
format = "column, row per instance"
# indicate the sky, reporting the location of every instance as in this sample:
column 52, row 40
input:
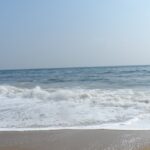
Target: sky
column 74, row 33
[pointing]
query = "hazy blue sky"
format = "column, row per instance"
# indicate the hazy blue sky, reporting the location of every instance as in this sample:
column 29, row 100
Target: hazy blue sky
column 68, row 33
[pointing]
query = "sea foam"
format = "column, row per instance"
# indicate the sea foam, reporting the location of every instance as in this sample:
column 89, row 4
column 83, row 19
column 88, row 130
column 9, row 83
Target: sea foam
column 82, row 108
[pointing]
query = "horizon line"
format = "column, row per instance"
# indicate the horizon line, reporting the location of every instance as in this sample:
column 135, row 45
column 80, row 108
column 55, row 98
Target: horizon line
column 44, row 68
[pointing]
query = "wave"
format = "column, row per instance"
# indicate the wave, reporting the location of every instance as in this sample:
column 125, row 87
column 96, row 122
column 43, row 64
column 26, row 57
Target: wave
column 95, row 96
column 73, row 108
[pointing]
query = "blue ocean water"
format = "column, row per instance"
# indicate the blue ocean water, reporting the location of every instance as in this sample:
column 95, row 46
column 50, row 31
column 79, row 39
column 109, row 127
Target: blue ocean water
column 90, row 97
column 89, row 77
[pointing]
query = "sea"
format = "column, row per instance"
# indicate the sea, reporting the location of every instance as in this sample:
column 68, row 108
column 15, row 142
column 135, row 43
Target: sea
column 115, row 97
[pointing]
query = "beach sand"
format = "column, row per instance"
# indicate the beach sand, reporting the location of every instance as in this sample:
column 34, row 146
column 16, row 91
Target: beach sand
column 75, row 140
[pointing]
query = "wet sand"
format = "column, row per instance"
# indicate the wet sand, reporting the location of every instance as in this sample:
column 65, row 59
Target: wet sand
column 75, row 140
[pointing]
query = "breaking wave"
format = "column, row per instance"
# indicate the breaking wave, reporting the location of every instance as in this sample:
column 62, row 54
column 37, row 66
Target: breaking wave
column 38, row 107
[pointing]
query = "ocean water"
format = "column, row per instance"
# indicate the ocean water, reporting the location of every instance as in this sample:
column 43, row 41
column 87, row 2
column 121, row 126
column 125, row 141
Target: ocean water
column 83, row 98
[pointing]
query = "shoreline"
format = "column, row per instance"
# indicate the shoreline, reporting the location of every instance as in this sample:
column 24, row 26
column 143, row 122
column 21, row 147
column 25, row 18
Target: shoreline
column 78, row 139
column 70, row 128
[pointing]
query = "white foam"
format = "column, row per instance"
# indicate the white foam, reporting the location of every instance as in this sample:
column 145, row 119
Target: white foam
column 46, row 109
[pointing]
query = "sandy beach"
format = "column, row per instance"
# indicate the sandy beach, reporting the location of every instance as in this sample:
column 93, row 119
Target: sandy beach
column 75, row 140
